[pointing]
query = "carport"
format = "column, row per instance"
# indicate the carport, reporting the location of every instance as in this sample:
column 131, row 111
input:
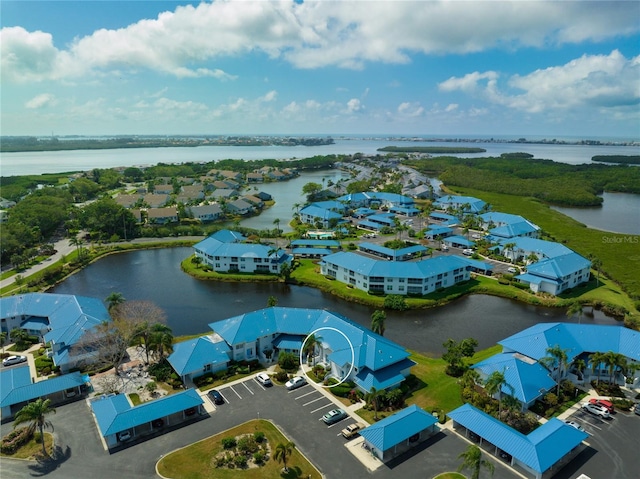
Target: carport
column 115, row 413
column 397, row 434
column 540, row 454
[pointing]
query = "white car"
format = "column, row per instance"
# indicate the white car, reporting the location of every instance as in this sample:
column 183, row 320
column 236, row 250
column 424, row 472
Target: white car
column 124, row 436
column 575, row 425
column 467, row 252
column 601, row 411
column 11, row 360
column 264, row 379
column 511, row 269
column 295, row 382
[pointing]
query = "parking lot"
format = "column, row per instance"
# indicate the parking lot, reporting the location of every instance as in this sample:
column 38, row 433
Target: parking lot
column 611, row 451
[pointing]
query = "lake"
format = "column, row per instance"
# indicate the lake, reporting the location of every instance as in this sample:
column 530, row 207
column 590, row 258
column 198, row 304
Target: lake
column 155, row 275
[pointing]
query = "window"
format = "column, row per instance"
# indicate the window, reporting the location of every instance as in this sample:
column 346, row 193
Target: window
column 400, row 280
column 390, row 287
column 240, row 346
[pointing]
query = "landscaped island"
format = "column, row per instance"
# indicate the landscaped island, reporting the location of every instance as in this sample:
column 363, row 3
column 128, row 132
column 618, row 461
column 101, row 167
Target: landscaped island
column 432, row 149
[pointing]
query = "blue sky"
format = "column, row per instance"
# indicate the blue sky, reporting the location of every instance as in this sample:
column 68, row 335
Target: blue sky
column 540, row 68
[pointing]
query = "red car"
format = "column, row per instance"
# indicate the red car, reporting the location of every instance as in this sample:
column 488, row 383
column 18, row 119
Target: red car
column 604, row 403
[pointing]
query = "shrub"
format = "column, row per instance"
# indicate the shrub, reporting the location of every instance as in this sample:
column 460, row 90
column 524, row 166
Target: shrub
column 395, row 301
column 281, row 376
column 14, row 440
column 258, row 457
column 229, row 442
column 247, row 444
column 240, row 461
column 258, row 436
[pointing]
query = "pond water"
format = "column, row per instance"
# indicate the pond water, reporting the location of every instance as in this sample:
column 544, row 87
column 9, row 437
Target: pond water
column 155, row 275
column 620, row 213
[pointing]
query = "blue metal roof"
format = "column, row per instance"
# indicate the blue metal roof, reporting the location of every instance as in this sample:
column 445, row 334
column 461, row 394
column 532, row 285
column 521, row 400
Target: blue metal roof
column 383, row 218
column 576, row 338
column 473, row 205
column 457, row 239
column 370, row 224
column 385, row 378
column 425, row 268
column 213, row 247
column 227, row 236
column 193, row 354
column 439, row 230
column 539, row 450
column 393, row 253
column 374, row 196
column 514, row 229
column 289, row 341
column 541, row 248
column 397, row 428
column 115, row 414
column 559, row 266
column 16, row 386
column 318, row 212
column 529, row 380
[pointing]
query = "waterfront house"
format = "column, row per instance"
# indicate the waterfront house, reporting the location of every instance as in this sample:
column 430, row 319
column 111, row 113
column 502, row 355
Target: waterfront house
column 162, row 215
column 206, row 212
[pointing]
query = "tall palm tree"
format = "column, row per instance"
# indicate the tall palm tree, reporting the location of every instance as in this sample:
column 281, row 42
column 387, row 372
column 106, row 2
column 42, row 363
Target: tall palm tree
column 283, row 452
column 493, row 384
column 77, row 242
column 613, row 361
column 35, row 413
column 472, row 459
column 579, row 365
column 575, row 309
column 596, row 359
column 160, row 340
column 309, row 346
column 3, row 338
column 377, row 321
column 372, row 397
column 114, row 299
column 556, row 357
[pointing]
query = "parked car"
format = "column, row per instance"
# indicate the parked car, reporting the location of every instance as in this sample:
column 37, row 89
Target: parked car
column 11, row 360
column 575, row 425
column 334, row 416
column 190, row 412
column 512, row 269
column 604, row 403
column 636, row 410
column 295, row 382
column 467, row 252
column 264, row 379
column 215, row 396
column 124, row 436
column 596, row 410
column 352, row 430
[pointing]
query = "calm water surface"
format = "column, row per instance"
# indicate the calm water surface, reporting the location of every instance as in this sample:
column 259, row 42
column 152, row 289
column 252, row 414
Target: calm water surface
column 31, row 163
column 190, row 304
column 620, row 212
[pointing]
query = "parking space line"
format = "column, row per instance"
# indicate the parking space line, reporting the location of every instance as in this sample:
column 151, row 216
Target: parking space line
column 314, row 400
column 231, row 387
column 255, row 381
column 223, row 397
column 298, row 388
column 247, row 387
column 322, row 407
column 303, row 395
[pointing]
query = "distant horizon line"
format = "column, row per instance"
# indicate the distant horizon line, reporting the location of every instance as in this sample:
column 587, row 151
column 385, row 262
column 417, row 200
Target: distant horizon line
column 535, row 137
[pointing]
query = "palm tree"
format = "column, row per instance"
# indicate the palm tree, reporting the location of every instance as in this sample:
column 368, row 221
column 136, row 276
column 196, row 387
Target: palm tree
column 493, row 384
column 510, row 247
column 596, row 359
column 372, row 398
column 160, row 340
column 377, row 321
column 472, row 459
column 77, row 242
column 575, row 309
column 277, row 223
column 579, row 365
column 19, row 336
column 283, row 452
column 556, row 357
column 309, row 346
column 35, row 413
column 596, row 263
column 613, row 361
column 114, row 299
column 3, row 338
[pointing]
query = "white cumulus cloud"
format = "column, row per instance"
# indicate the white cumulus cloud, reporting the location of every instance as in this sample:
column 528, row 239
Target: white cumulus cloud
column 41, row 101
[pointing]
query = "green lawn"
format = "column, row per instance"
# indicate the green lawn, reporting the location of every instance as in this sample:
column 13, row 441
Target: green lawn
column 437, row 391
column 196, row 461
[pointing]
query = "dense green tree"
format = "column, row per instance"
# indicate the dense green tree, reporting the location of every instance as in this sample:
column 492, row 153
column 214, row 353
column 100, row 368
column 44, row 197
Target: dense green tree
column 311, row 189
column 84, row 189
column 133, row 174
column 35, row 413
column 373, row 398
column 108, row 218
column 455, row 354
